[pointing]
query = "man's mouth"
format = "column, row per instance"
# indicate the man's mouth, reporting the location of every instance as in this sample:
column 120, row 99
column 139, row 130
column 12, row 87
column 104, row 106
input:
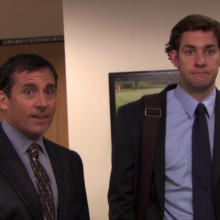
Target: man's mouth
column 200, row 72
column 39, row 116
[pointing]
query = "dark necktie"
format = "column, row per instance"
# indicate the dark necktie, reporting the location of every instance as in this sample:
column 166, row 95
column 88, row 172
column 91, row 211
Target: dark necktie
column 203, row 204
column 42, row 182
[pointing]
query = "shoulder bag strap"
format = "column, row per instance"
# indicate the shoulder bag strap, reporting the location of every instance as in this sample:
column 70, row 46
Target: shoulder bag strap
column 151, row 126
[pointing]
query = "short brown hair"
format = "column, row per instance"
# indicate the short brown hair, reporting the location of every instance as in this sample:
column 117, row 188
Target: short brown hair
column 191, row 23
column 19, row 63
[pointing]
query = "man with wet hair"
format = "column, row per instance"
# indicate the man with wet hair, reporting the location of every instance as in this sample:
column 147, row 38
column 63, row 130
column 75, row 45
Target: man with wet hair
column 175, row 193
column 39, row 180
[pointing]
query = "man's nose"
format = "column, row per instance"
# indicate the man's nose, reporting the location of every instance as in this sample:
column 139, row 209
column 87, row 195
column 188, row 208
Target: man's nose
column 200, row 60
column 41, row 100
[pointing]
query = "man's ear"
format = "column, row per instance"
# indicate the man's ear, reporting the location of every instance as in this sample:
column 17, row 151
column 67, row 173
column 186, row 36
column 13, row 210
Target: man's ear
column 174, row 58
column 3, row 100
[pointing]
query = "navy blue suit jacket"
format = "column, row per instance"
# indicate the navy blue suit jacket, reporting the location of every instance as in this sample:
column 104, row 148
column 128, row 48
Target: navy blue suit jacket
column 18, row 197
column 126, row 156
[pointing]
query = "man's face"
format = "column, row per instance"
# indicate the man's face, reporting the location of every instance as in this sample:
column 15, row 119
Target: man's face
column 198, row 60
column 32, row 105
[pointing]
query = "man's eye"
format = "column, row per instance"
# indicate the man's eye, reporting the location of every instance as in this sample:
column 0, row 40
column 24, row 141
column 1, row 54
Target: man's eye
column 49, row 92
column 210, row 51
column 28, row 92
column 189, row 52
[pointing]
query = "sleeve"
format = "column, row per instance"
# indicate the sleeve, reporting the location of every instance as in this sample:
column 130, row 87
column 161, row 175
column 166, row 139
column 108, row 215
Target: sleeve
column 121, row 188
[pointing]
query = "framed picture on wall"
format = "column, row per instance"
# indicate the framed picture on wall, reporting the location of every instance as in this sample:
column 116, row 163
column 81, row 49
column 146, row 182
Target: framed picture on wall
column 125, row 87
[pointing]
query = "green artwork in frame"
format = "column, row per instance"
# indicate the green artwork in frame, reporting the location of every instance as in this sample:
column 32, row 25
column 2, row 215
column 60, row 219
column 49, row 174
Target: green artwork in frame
column 125, row 87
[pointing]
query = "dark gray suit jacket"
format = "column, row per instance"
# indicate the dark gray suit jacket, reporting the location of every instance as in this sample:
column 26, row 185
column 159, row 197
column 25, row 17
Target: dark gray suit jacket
column 126, row 153
column 18, row 197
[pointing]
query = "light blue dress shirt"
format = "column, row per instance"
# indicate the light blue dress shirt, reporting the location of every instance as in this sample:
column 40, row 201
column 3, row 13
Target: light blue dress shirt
column 178, row 151
column 21, row 143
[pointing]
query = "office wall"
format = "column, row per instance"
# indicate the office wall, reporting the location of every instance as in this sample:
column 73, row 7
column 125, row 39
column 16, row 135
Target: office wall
column 103, row 36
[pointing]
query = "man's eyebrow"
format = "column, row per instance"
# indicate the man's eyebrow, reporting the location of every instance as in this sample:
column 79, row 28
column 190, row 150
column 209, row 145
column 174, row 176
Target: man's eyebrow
column 29, row 85
column 189, row 46
column 210, row 45
column 50, row 85
column 33, row 85
column 194, row 47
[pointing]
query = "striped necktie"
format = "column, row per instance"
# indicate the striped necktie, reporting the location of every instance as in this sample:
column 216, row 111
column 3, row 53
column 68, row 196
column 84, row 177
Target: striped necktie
column 42, row 182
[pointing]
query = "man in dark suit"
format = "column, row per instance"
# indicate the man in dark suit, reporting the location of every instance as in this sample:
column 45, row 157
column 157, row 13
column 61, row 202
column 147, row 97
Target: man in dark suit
column 193, row 48
column 50, row 183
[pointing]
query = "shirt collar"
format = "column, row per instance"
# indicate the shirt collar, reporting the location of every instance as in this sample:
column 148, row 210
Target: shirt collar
column 190, row 104
column 19, row 141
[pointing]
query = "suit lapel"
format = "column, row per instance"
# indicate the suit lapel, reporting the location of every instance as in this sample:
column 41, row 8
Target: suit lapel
column 62, row 180
column 159, row 158
column 14, row 170
column 216, row 152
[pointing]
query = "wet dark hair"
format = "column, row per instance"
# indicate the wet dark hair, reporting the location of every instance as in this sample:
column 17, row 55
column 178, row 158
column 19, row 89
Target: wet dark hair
column 20, row 63
column 191, row 23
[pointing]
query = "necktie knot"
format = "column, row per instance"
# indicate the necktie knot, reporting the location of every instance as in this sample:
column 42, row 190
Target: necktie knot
column 33, row 151
column 200, row 109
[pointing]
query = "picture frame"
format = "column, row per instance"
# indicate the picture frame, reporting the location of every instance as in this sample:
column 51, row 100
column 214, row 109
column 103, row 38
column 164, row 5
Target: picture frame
column 125, row 87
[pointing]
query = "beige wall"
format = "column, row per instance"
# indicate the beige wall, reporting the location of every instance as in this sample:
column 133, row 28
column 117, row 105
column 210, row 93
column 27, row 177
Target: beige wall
column 103, row 36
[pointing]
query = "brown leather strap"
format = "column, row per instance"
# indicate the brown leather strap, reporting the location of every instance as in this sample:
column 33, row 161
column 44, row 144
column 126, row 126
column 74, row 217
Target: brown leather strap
column 151, row 125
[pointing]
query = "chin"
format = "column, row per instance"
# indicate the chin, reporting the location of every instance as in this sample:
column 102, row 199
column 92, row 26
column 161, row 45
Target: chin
column 37, row 133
